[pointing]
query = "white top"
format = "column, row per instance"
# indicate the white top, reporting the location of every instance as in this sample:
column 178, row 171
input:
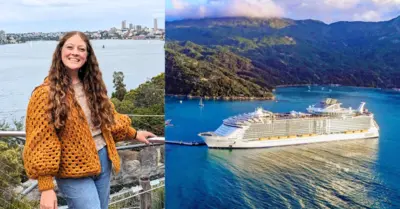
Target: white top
column 96, row 132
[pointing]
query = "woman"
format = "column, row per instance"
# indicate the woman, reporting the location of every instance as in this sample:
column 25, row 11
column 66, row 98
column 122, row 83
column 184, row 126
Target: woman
column 72, row 128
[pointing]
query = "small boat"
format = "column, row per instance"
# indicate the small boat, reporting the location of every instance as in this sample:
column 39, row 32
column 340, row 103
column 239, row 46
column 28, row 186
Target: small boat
column 201, row 104
column 168, row 122
column 104, row 47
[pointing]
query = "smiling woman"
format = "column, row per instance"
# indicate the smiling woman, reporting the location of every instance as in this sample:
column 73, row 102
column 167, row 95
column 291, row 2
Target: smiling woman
column 74, row 53
column 72, row 128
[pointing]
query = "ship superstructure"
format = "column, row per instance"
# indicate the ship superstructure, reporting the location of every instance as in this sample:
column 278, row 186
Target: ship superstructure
column 325, row 121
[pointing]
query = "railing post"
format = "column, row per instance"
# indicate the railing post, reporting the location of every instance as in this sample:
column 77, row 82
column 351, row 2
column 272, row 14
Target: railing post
column 148, row 159
column 145, row 198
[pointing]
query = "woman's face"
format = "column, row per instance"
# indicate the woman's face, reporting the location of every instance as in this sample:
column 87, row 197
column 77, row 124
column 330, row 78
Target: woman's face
column 74, row 53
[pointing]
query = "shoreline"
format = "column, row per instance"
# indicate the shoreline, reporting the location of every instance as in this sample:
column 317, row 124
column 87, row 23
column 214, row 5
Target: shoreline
column 24, row 42
column 334, row 85
column 222, row 98
column 301, row 85
column 273, row 98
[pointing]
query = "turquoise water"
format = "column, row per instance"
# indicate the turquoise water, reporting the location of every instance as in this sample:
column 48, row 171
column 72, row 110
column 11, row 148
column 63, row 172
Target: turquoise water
column 350, row 174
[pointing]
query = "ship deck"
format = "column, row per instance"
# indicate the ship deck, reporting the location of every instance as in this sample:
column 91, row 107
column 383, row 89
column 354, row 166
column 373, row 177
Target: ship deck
column 251, row 118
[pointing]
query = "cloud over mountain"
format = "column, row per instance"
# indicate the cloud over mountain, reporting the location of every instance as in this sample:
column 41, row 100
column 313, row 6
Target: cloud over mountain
column 225, row 8
column 328, row 11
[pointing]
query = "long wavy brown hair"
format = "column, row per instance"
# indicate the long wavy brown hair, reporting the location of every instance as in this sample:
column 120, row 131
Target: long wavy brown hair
column 91, row 77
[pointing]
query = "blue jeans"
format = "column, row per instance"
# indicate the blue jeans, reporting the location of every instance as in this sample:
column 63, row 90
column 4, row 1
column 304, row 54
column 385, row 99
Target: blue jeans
column 89, row 192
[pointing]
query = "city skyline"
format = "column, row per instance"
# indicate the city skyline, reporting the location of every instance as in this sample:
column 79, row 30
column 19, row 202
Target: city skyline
column 117, row 26
column 132, row 26
column 328, row 11
column 24, row 16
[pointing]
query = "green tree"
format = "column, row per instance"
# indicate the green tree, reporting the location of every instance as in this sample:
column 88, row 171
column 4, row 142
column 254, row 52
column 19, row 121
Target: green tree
column 120, row 90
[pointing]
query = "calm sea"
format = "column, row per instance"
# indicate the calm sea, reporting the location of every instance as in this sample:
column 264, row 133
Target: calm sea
column 24, row 66
column 350, row 174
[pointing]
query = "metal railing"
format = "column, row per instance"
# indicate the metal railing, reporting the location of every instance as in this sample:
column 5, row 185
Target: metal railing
column 153, row 140
column 144, row 191
column 12, row 133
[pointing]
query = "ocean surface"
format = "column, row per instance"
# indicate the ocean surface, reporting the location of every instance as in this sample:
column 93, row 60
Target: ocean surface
column 24, row 66
column 347, row 174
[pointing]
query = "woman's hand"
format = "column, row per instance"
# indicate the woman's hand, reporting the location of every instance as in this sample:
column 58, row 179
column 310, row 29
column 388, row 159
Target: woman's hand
column 48, row 200
column 143, row 135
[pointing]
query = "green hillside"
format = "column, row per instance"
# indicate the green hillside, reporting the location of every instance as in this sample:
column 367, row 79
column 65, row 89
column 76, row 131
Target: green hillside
column 270, row 52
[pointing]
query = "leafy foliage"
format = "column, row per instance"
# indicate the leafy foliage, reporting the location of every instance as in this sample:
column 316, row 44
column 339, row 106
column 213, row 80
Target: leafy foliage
column 12, row 170
column 147, row 99
column 11, row 165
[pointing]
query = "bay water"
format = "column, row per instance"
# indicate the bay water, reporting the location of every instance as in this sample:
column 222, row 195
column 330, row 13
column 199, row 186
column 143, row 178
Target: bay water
column 347, row 174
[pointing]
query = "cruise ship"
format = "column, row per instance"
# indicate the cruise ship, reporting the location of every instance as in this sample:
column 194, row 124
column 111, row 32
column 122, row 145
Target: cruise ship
column 323, row 122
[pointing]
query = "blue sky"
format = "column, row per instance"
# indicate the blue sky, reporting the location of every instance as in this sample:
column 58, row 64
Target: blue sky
column 327, row 11
column 64, row 15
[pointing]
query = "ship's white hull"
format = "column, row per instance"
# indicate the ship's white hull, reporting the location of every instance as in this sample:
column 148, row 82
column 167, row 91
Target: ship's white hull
column 223, row 142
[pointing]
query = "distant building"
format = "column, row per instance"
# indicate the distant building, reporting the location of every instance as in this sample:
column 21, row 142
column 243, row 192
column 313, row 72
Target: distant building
column 3, row 37
column 158, row 32
column 113, row 30
column 12, row 40
column 130, row 26
column 96, row 35
column 138, row 28
column 123, row 24
column 155, row 24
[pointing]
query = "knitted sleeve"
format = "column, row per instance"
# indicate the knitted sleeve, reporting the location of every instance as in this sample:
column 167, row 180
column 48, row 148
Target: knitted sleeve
column 42, row 148
column 122, row 129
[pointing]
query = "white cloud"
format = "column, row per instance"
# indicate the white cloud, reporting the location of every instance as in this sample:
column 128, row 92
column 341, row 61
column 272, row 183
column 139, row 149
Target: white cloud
column 54, row 2
column 178, row 4
column 42, row 15
column 331, row 11
column 254, row 8
column 225, row 8
column 342, row 4
column 328, row 11
column 41, row 10
column 303, row 4
column 387, row 2
column 370, row 16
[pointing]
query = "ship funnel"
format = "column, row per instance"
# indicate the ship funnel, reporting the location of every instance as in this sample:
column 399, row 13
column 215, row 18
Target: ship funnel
column 361, row 107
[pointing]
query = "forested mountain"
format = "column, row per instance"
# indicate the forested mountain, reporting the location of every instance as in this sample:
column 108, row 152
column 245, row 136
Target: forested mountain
column 279, row 51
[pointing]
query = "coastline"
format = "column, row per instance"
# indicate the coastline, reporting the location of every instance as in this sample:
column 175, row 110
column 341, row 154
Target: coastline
column 337, row 85
column 24, row 42
column 223, row 98
column 300, row 85
column 246, row 98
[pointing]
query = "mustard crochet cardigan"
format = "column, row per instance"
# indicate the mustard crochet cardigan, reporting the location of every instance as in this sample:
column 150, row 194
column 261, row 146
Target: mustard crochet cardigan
column 71, row 154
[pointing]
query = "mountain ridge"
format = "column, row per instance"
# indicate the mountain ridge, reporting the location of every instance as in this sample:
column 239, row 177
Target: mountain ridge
column 283, row 18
